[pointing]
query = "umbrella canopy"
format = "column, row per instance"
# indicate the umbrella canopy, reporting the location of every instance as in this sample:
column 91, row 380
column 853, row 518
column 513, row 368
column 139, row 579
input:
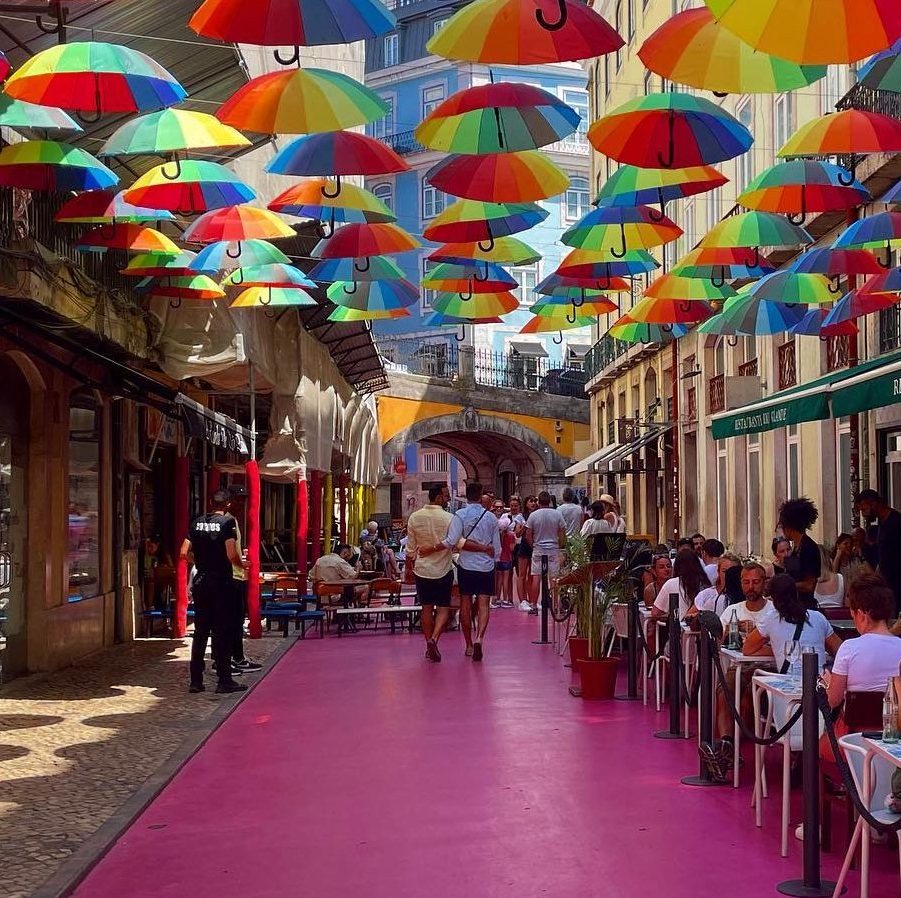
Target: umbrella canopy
column 504, row 251
column 160, row 264
column 18, row 114
column 672, row 286
column 746, row 314
column 302, row 101
column 237, row 223
column 618, row 229
column 197, row 286
column 497, row 118
column 472, row 220
column 94, row 77
column 436, row 319
column 669, row 130
column 198, row 187
column 101, row 206
column 133, row 238
column 276, row 274
column 472, row 278
column 633, row 186
column 171, row 131
column 275, row 297
column 5, row 67
column 374, row 296
column 377, row 268
column 525, row 32
column 883, row 71
column 836, row 262
column 604, row 265
column 719, row 263
column 589, row 305
column 856, row 304
column 303, row 23
column 313, row 199
column 50, row 165
column 476, row 305
column 814, row 32
column 365, row 240
column 631, row 331
column 562, row 321
column 843, row 132
column 693, row 48
column 803, row 186
column 886, row 282
column 651, row 310
column 791, row 287
column 227, row 255
column 884, row 228
column 811, row 325
column 557, row 279
column 560, row 295
column 499, row 177
column 342, row 313
column 755, row 229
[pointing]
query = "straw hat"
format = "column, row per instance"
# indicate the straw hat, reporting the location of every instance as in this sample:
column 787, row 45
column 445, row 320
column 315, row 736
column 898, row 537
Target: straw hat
column 607, row 498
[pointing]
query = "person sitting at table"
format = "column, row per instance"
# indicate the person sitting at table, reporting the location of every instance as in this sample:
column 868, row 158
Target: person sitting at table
column 335, row 567
column 726, row 591
column 711, row 552
column 660, row 571
column 688, row 579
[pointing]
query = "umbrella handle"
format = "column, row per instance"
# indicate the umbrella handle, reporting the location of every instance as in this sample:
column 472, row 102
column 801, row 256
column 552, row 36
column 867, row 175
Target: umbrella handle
column 465, row 297
column 652, row 213
column 888, row 256
column 98, row 106
column 553, row 26
column 685, row 305
column 666, row 328
column 332, row 196
column 175, row 303
column 487, row 245
column 558, row 339
column 571, row 316
column 265, row 302
column 365, row 267
column 847, row 181
column 719, row 281
column 232, row 255
column 668, row 163
column 177, row 174
column 324, row 232
column 481, row 278
column 799, row 218
column 754, row 261
column 620, row 253
column 581, row 300
column 732, row 341
column 350, row 292
column 293, row 59
column 237, row 281
column 460, row 337
column 60, row 19
column 834, row 286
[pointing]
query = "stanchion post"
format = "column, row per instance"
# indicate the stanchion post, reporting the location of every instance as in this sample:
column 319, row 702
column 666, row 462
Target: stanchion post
column 811, row 886
column 632, row 656
column 705, row 708
column 545, row 603
column 674, row 637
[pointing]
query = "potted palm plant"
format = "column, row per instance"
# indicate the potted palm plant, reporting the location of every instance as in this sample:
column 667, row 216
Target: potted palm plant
column 575, row 593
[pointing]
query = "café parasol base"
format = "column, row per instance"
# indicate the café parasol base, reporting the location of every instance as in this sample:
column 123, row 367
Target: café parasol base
column 797, row 887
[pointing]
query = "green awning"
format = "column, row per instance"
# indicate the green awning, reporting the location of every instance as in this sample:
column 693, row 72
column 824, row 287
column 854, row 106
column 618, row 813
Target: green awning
column 872, row 384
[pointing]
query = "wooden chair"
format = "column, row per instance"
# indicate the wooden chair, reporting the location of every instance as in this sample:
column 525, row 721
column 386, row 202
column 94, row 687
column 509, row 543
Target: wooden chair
column 330, row 597
column 384, row 591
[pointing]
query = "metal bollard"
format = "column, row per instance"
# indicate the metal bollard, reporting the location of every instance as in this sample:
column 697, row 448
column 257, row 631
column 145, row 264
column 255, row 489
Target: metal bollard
column 811, row 885
column 545, row 602
column 674, row 635
column 705, row 709
column 632, row 655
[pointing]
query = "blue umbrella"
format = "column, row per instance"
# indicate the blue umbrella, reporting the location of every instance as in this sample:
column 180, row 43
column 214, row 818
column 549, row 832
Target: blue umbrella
column 223, row 254
column 883, row 71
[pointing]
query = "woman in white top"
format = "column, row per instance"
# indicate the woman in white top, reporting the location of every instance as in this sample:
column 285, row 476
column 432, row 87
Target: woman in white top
column 688, row 580
column 727, row 590
column 612, row 514
column 597, row 523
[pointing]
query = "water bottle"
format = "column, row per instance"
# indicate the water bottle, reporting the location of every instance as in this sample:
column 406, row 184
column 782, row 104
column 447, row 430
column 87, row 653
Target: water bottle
column 734, row 641
column 890, row 714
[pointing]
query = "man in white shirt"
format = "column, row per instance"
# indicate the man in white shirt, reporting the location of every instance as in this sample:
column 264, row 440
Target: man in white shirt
column 546, row 534
column 711, row 552
column 573, row 516
column 427, row 526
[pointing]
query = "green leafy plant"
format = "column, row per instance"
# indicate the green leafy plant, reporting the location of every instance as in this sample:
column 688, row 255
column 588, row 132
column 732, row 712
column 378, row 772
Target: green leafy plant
column 577, row 595
column 619, row 586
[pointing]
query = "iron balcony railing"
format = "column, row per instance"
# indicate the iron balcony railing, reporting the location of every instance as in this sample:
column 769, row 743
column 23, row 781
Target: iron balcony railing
column 604, row 353
column 716, row 394
column 788, row 369
column 438, row 358
column 404, row 143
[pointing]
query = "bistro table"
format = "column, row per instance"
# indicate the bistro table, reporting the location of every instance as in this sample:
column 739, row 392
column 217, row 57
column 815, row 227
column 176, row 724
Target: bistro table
column 348, row 595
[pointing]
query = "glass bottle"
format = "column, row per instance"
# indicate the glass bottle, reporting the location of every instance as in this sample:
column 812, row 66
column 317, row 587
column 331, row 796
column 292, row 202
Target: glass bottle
column 890, row 714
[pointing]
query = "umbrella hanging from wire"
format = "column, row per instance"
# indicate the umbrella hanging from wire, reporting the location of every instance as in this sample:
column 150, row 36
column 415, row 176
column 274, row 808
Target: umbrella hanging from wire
column 557, row 280
column 720, row 264
column 674, row 287
column 471, row 278
column 504, row 251
column 604, row 266
column 475, row 221
column 19, row 115
column 133, row 238
column 273, row 297
column 375, row 268
column 653, row 310
column 276, row 274
column 747, row 314
column 227, row 255
column 791, row 287
column 176, row 289
column 365, row 240
column 374, row 296
column 883, row 71
column 342, row 313
column 882, row 229
column 618, row 229
column 199, row 187
column 754, row 230
column 478, row 305
column 312, row 199
column 629, row 330
column 856, row 304
column 499, row 177
column 836, row 263
column 105, row 206
column 811, row 325
column 161, row 264
column 633, row 186
column 237, row 223
column 51, row 165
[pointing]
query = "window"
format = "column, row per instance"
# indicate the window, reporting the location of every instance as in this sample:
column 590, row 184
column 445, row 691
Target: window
column 428, row 296
column 754, row 499
column 722, row 490
column 432, row 201
column 783, row 120
column 713, row 207
column 434, row 461
column 385, row 192
column 83, row 557
column 630, row 20
column 392, row 49
column 689, row 225
column 578, row 100
column 832, row 87
column 744, row 164
column 438, row 24
column 576, row 200
column 792, row 452
column 432, row 97
column 618, row 26
column 384, row 127
column 527, row 278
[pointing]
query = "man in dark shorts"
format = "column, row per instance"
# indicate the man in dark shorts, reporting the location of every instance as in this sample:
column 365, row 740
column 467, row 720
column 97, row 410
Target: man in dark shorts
column 213, row 541
column 433, row 572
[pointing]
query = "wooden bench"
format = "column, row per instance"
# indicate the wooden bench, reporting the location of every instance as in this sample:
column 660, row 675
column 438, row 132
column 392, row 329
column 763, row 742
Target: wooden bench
column 391, row 612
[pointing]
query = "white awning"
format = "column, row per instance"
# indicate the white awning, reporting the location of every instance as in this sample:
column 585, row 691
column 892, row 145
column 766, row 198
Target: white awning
column 587, row 463
column 532, row 348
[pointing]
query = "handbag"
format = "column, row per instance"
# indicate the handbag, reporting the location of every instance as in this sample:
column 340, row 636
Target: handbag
column 462, row 540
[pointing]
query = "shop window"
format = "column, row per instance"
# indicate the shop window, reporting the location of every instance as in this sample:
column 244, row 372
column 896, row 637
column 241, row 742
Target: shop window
column 83, row 557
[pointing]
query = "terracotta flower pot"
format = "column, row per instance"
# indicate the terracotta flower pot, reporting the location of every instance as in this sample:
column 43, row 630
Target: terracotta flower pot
column 598, row 678
column 578, row 649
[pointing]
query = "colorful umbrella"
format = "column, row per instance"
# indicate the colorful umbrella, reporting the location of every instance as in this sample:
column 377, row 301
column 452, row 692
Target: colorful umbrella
column 618, row 229
column 575, row 296
column 633, row 186
column 49, row 165
column 312, row 199
column 336, row 153
column 499, row 177
column 792, row 288
column 675, row 287
column 803, row 186
column 373, row 296
column 471, row 278
column 19, row 115
column 5, row 67
column 302, row 101
column 813, row 32
column 229, row 255
column 579, row 306
column 670, row 311
column 497, row 118
column 882, row 229
column 856, row 304
column 604, row 267
column 365, row 240
column 811, row 325
column 196, row 286
column 377, row 268
column 237, row 223
column 472, row 220
column 746, row 314
column 103, row 206
column 719, row 263
column 157, row 264
column 631, row 331
column 669, row 130
column 94, row 77
column 198, row 187
column 835, row 263
column 298, row 23
column 477, row 305
column 276, row 274
column 693, row 48
column 755, row 229
column 557, row 279
column 883, row 71
column 886, row 282
column 892, row 195
column 562, row 321
column 342, row 313
column 133, row 238
column 504, row 251
column 275, row 297
column 436, row 319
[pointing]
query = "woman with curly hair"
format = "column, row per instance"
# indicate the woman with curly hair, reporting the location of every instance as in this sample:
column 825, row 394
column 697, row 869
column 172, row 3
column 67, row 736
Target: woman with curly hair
column 803, row 565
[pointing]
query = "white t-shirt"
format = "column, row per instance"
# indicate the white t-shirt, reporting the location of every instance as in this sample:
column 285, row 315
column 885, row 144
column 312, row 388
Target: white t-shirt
column 743, row 613
column 710, row 599
column 868, row 661
column 546, row 524
column 596, row 525
column 712, row 570
column 662, row 600
column 572, row 517
column 815, row 632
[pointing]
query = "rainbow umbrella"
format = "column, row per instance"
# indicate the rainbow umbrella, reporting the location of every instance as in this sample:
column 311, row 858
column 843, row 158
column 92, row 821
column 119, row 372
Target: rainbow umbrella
column 755, row 229
column 564, row 321
column 228, row 255
column 633, row 186
column 882, row 229
column 811, row 325
column 313, row 199
column 836, row 262
column 575, row 296
column 365, row 240
column 892, row 195
column 94, row 77
column 374, row 296
column 198, row 187
column 669, row 130
column 5, row 67
column 886, row 282
column 604, row 265
column 883, row 71
column 525, row 32
column 302, row 101
column 342, row 313
column 436, row 319
column 499, row 177
column 803, row 186
column 504, row 251
column 589, row 305
column 133, row 238
column 103, row 206
column 157, row 264
column 746, row 314
column 19, row 115
column 50, row 165
column 719, row 263
column 497, row 118
column 651, row 310
column 629, row 330
column 618, row 229
column 856, row 304
column 557, row 279
column 237, row 223
column 378, row 268
column 176, row 289
column 276, row 297
column 693, row 48
column 276, row 274
column 472, row 278
column 297, row 23
column 675, row 287
column 791, row 287
column 475, row 305
column 472, row 220
column 813, row 32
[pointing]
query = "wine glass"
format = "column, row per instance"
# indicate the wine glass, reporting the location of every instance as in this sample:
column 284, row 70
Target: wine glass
column 793, row 656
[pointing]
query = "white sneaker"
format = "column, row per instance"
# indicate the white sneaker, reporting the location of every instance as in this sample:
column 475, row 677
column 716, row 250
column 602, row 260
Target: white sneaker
column 525, row 606
column 494, row 604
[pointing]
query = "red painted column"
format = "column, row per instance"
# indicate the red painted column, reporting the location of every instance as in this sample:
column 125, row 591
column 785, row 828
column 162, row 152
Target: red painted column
column 303, row 527
column 252, row 482
column 182, row 473
column 316, row 513
column 342, row 507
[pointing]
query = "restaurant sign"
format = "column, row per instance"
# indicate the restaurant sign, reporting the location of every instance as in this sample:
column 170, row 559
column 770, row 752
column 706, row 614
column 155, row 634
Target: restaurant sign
column 770, row 416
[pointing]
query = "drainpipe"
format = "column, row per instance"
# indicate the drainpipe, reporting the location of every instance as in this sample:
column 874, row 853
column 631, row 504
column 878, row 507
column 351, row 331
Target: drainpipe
column 676, row 434
column 853, row 360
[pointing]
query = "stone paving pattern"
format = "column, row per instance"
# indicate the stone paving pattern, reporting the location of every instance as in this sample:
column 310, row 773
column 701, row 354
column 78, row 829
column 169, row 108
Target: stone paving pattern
column 76, row 745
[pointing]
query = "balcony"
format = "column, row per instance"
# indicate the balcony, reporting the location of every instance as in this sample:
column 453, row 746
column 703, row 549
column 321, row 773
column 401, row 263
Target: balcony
column 716, row 394
column 691, row 404
column 604, row 353
column 574, row 145
column 788, row 369
column 404, row 143
column 890, row 329
column 838, row 352
column 749, row 369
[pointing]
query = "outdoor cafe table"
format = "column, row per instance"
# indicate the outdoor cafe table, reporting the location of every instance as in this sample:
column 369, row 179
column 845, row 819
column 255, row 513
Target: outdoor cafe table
column 348, row 594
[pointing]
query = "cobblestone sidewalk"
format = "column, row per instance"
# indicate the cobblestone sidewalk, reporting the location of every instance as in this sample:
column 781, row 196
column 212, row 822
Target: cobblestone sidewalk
column 76, row 745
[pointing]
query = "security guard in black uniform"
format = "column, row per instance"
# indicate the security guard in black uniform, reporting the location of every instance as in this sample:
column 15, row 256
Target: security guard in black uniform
column 212, row 540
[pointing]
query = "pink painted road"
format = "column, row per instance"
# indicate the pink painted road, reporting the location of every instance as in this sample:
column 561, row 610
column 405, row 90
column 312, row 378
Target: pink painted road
column 358, row 769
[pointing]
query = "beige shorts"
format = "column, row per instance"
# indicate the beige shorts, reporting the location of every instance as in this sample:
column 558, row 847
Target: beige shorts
column 553, row 564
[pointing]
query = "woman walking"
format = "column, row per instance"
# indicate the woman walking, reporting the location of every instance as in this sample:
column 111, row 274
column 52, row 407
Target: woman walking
column 524, row 555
